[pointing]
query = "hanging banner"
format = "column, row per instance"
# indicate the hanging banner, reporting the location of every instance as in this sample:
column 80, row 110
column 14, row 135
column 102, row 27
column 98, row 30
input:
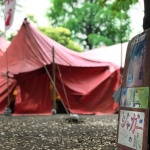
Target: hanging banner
column 9, row 13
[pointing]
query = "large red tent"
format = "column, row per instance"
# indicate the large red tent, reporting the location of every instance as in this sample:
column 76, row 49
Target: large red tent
column 3, row 80
column 87, row 84
column 3, row 46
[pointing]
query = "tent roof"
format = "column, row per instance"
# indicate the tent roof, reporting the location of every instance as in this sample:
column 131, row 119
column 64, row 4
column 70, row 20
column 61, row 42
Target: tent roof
column 84, row 76
column 32, row 49
column 115, row 54
column 3, row 45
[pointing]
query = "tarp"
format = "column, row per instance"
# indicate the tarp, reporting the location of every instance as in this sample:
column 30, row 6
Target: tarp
column 115, row 54
column 6, row 86
column 3, row 80
column 86, row 83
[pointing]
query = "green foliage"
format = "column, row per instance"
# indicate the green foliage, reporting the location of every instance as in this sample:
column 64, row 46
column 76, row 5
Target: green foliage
column 1, row 7
column 1, row 33
column 124, row 5
column 32, row 18
column 93, row 22
column 11, row 36
column 95, row 39
column 62, row 36
column 1, row 2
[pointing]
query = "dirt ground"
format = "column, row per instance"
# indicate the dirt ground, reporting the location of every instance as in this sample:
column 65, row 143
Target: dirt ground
column 91, row 132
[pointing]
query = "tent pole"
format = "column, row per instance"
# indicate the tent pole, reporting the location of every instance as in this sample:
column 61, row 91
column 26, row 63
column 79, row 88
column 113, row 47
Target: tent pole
column 53, row 76
column 8, row 96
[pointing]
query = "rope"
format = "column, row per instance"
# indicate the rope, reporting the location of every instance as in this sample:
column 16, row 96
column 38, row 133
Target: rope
column 63, row 87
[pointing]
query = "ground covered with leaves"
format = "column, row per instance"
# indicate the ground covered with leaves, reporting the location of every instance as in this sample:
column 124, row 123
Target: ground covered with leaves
column 58, row 132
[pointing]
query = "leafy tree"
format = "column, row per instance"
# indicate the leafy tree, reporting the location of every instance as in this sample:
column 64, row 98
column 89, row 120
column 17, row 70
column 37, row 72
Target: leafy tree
column 32, row 18
column 1, row 2
column 10, row 37
column 93, row 22
column 59, row 34
column 62, row 36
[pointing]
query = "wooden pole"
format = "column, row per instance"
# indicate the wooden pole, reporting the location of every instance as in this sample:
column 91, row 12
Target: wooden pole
column 53, row 77
column 146, row 25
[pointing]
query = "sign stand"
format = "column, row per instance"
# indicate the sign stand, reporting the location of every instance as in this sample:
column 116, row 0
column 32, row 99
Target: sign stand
column 133, row 121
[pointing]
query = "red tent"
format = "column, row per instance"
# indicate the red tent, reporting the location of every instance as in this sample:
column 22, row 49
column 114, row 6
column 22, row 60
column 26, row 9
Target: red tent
column 3, row 46
column 87, row 84
column 1, row 53
column 115, row 54
column 3, row 80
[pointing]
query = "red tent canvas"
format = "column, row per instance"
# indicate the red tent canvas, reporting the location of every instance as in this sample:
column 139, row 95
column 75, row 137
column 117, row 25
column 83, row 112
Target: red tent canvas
column 85, row 85
column 3, row 46
column 115, row 54
column 3, row 80
column 1, row 53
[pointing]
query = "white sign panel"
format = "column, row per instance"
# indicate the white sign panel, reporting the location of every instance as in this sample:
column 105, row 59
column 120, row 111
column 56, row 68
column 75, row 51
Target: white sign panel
column 9, row 13
column 131, row 128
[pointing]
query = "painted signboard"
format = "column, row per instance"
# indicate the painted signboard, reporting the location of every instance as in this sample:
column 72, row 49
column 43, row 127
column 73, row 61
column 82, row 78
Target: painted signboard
column 135, row 73
column 131, row 127
column 135, row 97
column 133, row 117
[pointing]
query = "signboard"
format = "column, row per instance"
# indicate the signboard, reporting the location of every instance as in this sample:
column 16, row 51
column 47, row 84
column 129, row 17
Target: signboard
column 135, row 97
column 134, row 100
column 131, row 129
column 135, row 72
column 9, row 13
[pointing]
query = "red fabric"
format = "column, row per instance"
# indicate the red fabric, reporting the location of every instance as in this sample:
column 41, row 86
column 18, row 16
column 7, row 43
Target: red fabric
column 115, row 54
column 35, row 50
column 3, row 46
column 4, row 92
column 1, row 53
column 89, row 90
column 34, row 93
column 3, row 80
column 89, row 83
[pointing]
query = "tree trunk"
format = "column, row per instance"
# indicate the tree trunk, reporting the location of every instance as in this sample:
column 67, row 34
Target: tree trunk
column 146, row 19
column 88, row 32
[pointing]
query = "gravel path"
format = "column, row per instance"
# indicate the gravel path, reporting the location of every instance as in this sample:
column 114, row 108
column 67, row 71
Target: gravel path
column 55, row 132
